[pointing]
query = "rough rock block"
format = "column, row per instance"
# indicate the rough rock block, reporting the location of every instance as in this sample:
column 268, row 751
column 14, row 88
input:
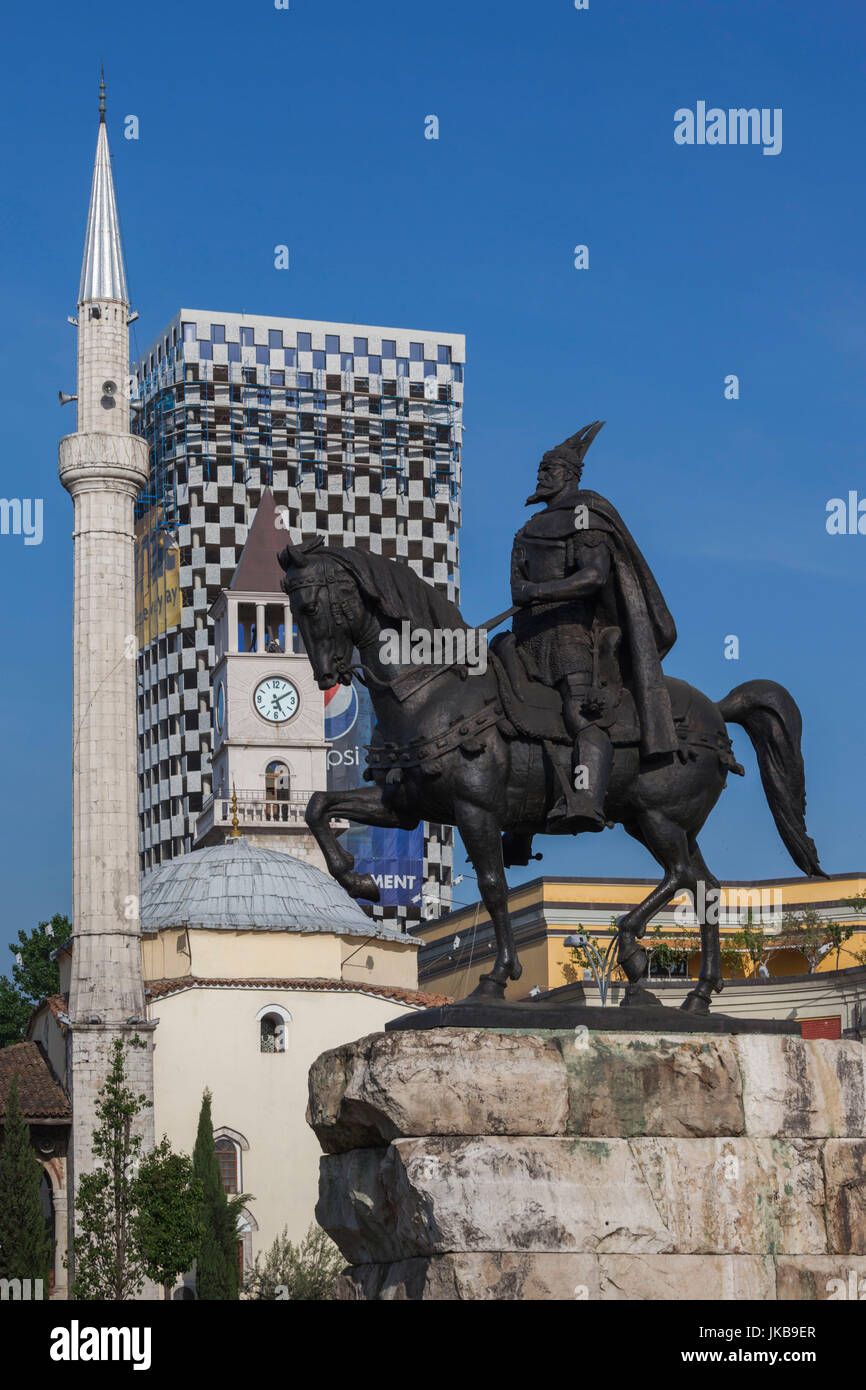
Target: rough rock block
column 737, row 1196
column 576, row 1278
column 834, row 1278
column 700, row 1196
column 803, row 1088
column 447, row 1081
column 471, row 1164
column 645, row 1084
column 491, row 1276
column 845, row 1171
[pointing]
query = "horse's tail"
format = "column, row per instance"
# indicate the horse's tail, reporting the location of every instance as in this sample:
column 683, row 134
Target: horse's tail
column 769, row 715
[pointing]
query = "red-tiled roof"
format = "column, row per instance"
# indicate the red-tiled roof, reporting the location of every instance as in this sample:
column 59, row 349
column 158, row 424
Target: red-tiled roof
column 40, row 1094
column 58, row 1004
column 158, row 989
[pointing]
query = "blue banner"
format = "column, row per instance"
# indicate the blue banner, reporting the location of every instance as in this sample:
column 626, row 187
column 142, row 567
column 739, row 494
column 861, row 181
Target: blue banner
column 395, row 858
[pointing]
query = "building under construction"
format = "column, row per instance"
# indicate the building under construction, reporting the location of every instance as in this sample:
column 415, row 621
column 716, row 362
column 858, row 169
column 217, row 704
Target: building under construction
column 356, row 430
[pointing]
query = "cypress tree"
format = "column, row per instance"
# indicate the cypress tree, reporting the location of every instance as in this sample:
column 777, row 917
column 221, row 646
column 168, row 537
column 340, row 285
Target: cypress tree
column 108, row 1264
column 217, row 1267
column 25, row 1251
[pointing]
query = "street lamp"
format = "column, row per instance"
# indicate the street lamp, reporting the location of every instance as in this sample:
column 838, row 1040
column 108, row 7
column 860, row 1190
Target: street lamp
column 602, row 967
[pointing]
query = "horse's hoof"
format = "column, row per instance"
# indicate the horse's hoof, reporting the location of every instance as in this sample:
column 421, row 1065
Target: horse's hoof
column 515, row 970
column 695, row 1003
column 633, row 958
column 637, row 998
column 361, row 886
column 488, row 988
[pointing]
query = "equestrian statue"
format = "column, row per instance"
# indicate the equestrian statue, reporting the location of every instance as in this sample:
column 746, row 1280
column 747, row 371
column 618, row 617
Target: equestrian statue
column 569, row 726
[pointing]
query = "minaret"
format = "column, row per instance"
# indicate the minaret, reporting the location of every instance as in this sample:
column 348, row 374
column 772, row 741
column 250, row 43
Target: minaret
column 104, row 468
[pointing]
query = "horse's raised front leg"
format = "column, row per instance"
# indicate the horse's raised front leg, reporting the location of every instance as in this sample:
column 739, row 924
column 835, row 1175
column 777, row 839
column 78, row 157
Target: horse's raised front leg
column 483, row 840
column 363, row 804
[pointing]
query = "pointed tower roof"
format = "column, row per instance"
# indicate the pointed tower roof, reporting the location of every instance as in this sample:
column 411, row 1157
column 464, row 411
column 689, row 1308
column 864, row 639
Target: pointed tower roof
column 258, row 570
column 102, row 273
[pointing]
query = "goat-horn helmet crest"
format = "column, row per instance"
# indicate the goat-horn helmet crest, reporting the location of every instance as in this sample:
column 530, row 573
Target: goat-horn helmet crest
column 573, row 450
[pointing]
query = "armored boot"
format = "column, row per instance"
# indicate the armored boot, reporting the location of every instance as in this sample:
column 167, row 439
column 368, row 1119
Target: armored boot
column 582, row 807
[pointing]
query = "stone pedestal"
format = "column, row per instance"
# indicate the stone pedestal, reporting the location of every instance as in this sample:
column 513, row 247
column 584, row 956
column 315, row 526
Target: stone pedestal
column 467, row 1163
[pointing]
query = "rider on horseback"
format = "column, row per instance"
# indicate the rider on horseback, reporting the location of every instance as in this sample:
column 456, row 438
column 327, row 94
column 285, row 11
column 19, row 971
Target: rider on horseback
column 584, row 590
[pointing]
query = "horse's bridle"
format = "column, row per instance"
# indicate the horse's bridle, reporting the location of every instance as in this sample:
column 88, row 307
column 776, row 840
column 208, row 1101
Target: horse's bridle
column 340, row 617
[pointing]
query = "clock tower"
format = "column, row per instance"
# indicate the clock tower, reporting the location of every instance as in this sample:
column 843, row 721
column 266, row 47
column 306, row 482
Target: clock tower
column 269, row 748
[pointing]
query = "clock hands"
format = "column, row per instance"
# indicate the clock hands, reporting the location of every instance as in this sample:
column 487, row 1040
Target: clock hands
column 276, row 710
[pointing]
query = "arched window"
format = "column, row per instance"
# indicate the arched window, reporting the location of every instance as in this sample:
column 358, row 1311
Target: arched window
column 247, row 1224
column 273, row 1024
column 276, row 790
column 228, row 1159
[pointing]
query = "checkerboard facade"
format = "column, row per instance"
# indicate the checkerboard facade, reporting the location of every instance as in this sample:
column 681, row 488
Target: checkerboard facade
column 357, row 430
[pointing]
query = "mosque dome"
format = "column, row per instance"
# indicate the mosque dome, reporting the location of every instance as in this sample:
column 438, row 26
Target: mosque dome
column 237, row 886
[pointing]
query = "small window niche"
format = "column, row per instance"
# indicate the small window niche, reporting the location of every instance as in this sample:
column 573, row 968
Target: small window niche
column 273, row 1024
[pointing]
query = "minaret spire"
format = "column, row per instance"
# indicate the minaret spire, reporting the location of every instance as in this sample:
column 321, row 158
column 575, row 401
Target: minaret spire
column 101, row 95
column 104, row 467
column 102, row 272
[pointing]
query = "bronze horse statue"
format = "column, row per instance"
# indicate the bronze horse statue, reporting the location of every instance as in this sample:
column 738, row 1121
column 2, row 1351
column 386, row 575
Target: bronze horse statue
column 476, row 747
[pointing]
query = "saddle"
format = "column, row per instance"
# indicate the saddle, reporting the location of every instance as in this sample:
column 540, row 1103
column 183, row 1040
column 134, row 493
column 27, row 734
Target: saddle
column 535, row 710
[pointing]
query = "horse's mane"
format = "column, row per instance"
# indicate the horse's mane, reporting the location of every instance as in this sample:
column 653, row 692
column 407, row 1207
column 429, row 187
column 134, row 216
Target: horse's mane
column 399, row 593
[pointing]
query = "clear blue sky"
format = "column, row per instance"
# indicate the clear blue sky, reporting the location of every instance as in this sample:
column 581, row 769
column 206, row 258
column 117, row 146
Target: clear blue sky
column 306, row 126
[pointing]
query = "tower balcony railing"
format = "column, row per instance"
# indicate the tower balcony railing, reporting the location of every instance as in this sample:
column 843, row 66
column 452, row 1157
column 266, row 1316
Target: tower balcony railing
column 255, row 808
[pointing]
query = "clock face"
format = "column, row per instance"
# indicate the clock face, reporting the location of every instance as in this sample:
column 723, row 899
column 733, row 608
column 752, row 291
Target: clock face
column 220, row 707
column 276, row 699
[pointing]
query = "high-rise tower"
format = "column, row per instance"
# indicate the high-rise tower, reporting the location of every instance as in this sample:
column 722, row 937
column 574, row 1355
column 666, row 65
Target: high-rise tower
column 356, row 431
column 104, row 468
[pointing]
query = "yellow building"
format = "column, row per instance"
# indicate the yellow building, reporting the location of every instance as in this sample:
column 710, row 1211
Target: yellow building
column 457, row 948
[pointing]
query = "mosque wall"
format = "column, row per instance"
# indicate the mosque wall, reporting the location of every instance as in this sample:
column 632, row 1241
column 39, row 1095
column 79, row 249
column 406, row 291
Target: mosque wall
column 212, row 1038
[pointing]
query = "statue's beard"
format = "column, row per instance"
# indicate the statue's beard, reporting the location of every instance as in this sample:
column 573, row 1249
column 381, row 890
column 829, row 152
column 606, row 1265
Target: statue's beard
column 552, row 494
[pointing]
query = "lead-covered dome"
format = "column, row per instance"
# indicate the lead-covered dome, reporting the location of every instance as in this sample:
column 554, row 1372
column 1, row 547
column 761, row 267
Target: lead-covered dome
column 241, row 887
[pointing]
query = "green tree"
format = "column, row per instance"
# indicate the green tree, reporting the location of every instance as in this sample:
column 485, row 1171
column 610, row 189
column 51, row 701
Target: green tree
column 108, row 1264
column 14, row 1013
column 34, row 975
column 670, row 951
column 25, row 1250
column 810, row 934
column 306, row 1272
column 167, row 1225
column 752, row 942
column 217, row 1274
column 837, row 935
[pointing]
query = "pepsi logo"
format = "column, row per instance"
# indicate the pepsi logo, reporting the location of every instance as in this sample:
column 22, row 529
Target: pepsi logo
column 341, row 710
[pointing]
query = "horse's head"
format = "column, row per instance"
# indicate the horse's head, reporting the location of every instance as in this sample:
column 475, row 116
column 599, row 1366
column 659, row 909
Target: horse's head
column 328, row 607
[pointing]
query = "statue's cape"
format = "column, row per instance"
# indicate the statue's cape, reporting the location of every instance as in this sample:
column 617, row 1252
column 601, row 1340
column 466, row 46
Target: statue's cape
column 649, row 631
